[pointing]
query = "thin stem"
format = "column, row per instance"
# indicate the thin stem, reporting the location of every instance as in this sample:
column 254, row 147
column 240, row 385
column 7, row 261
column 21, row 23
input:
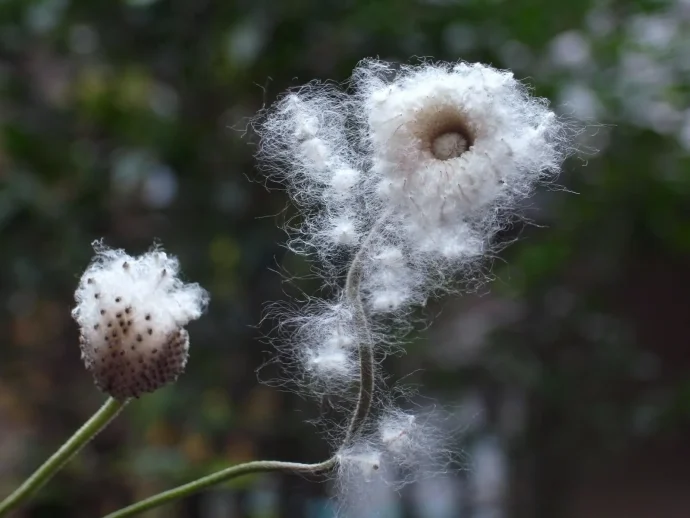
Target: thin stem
column 367, row 379
column 69, row 449
column 359, row 416
column 261, row 466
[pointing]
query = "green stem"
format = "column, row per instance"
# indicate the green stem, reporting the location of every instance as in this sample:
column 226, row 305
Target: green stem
column 70, row 448
column 259, row 466
column 367, row 379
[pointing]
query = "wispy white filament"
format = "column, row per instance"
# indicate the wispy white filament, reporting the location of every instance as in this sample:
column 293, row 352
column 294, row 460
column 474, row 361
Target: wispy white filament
column 131, row 313
column 411, row 172
column 440, row 145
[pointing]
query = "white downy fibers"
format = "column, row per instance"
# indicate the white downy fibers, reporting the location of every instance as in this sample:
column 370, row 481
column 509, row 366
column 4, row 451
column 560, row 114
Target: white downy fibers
column 438, row 146
column 403, row 180
column 448, row 140
column 131, row 313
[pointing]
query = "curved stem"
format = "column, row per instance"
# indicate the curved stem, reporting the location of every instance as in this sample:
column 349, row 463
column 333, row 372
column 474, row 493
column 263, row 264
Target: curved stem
column 359, row 416
column 69, row 449
column 261, row 466
column 367, row 379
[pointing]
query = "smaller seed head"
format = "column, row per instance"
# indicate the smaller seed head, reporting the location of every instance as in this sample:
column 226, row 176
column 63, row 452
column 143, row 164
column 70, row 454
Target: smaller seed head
column 158, row 306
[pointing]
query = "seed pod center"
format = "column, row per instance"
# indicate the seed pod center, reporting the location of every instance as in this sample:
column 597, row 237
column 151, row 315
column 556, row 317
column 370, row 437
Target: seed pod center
column 449, row 145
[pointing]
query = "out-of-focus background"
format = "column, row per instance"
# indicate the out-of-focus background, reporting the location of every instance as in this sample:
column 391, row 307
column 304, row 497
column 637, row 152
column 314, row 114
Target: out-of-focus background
column 568, row 377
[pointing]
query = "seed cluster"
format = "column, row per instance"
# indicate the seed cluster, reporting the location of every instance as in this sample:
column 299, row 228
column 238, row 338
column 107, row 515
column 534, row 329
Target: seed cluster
column 408, row 173
column 449, row 145
column 127, row 358
column 131, row 313
column 125, row 375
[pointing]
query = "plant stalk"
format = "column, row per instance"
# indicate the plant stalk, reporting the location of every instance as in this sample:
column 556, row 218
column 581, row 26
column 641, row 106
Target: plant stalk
column 260, row 466
column 69, row 449
column 359, row 416
column 367, row 378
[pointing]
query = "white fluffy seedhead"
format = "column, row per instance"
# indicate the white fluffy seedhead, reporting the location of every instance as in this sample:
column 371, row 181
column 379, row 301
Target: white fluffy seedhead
column 317, row 348
column 131, row 312
column 450, row 139
column 399, row 432
column 363, row 461
column 306, row 144
column 362, row 475
column 405, row 178
column 414, row 442
column 390, row 282
column 441, row 150
column 402, row 448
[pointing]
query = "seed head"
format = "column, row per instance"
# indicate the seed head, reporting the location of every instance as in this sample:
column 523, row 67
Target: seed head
column 131, row 313
column 444, row 149
column 450, row 139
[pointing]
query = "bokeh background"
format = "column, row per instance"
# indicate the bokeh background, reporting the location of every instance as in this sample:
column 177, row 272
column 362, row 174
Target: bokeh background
column 567, row 377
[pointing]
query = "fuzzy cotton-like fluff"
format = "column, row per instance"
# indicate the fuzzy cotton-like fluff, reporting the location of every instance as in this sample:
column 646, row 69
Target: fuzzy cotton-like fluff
column 402, row 180
column 402, row 447
column 439, row 151
column 131, row 313
column 451, row 140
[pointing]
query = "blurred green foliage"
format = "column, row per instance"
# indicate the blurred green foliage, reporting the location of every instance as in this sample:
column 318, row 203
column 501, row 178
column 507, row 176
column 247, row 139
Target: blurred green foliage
column 129, row 120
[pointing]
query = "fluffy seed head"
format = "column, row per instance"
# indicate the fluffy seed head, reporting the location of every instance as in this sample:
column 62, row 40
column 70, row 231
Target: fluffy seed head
column 344, row 231
column 409, row 174
column 435, row 146
column 332, row 357
column 450, row 139
column 397, row 432
column 360, row 460
column 343, row 180
column 327, row 349
column 403, row 448
column 131, row 312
